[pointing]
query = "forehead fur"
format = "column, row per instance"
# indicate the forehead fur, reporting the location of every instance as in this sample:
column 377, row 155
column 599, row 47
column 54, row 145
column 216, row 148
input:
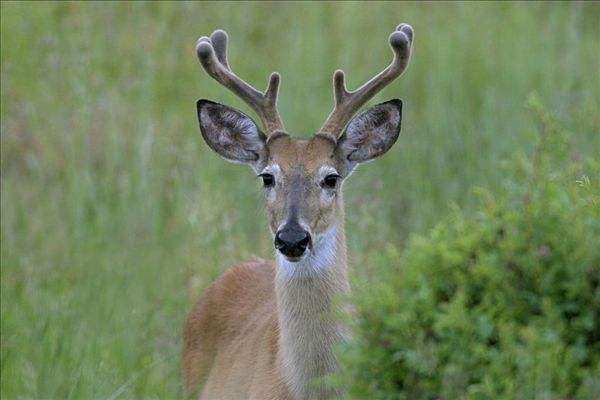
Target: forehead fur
column 309, row 154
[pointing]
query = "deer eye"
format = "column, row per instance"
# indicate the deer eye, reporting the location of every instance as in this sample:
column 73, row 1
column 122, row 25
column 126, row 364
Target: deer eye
column 330, row 181
column 268, row 180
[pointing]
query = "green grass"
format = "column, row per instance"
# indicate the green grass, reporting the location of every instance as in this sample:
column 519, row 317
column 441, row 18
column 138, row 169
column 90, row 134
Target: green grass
column 115, row 215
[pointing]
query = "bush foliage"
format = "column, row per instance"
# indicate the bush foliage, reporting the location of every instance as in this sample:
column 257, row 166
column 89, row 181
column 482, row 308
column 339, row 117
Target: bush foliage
column 503, row 304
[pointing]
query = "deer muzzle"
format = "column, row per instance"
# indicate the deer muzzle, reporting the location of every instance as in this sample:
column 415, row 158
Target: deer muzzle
column 292, row 241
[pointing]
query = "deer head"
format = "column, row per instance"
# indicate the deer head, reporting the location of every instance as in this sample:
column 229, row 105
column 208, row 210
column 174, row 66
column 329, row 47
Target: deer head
column 302, row 178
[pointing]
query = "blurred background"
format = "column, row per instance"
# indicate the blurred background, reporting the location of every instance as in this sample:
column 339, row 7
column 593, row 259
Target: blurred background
column 115, row 214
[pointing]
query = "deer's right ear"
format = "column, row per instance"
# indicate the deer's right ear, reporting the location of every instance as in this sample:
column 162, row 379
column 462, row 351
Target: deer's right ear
column 231, row 133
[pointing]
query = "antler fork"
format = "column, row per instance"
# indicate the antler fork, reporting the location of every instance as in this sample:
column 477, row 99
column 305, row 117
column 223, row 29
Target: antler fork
column 348, row 103
column 212, row 53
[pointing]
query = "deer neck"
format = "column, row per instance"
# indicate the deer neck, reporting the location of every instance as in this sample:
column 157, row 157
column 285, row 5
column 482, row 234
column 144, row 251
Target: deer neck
column 307, row 297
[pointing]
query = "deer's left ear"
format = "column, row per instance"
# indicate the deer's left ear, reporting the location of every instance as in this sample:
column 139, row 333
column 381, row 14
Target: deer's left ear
column 371, row 133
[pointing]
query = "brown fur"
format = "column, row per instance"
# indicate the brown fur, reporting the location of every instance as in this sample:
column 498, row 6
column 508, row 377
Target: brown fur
column 231, row 337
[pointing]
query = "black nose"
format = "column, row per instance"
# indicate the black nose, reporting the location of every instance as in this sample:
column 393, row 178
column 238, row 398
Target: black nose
column 292, row 241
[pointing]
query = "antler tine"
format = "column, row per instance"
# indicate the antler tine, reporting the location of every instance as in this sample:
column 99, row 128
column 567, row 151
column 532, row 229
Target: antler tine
column 348, row 103
column 212, row 53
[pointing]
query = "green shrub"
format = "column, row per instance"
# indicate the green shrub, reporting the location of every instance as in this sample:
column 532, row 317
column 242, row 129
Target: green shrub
column 503, row 304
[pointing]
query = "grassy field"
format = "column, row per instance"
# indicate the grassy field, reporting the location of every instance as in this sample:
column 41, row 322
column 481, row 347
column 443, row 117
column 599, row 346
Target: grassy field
column 115, row 215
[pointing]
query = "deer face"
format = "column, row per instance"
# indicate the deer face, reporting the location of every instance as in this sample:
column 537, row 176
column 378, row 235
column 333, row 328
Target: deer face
column 301, row 182
column 301, row 178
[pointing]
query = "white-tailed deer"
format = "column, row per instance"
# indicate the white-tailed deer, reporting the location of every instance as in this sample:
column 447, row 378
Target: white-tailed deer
column 265, row 330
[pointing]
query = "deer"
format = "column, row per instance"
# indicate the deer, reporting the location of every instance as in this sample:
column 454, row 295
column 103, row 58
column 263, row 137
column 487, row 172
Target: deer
column 268, row 329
